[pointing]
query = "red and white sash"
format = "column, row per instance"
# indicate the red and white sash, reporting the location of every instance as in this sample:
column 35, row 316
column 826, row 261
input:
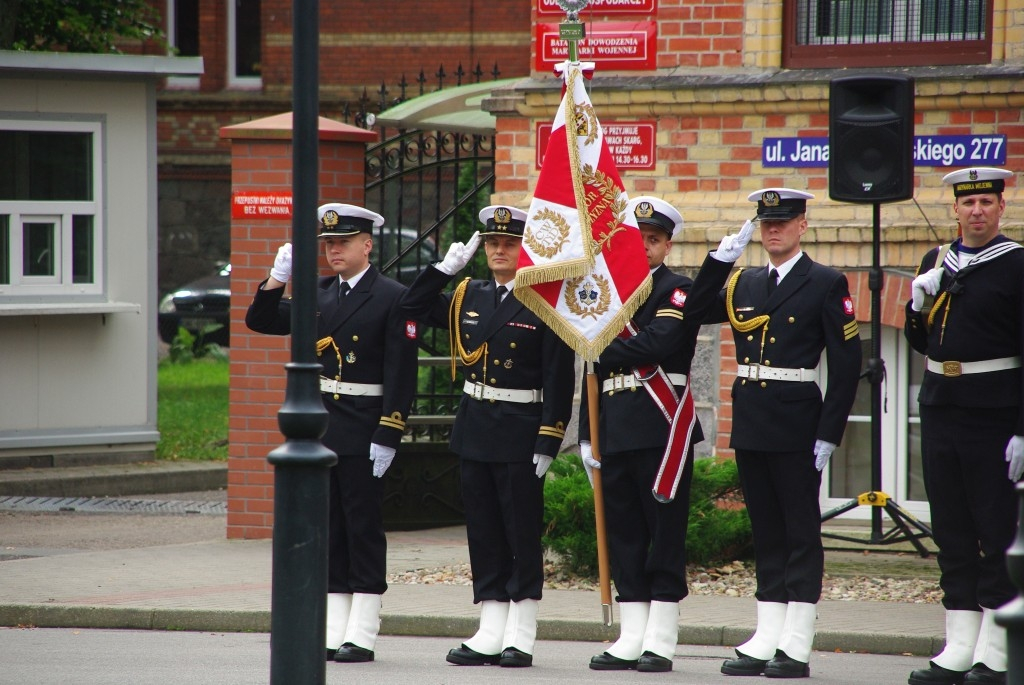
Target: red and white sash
column 681, row 416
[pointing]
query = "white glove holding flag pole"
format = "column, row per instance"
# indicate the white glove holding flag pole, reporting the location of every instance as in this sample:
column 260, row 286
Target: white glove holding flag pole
column 282, row 269
column 822, row 452
column 381, row 457
column 458, row 256
column 589, row 463
column 732, row 245
column 925, row 284
column 1015, row 457
column 543, row 463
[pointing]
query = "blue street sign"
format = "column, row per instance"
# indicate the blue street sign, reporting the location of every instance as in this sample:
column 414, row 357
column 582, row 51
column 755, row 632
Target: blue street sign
column 937, row 151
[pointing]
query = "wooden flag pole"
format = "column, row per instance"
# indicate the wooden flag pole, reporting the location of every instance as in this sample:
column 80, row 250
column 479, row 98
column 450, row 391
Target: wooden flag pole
column 604, row 577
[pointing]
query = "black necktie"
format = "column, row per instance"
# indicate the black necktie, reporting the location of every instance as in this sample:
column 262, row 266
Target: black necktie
column 773, row 281
column 343, row 291
column 499, row 295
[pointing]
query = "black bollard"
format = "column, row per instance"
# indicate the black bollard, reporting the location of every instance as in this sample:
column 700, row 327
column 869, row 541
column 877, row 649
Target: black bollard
column 1011, row 615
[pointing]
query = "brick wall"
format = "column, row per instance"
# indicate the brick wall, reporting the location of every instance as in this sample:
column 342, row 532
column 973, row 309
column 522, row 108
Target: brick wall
column 261, row 154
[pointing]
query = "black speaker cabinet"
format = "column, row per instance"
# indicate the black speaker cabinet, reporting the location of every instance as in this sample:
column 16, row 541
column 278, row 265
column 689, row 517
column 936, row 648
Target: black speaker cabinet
column 871, row 139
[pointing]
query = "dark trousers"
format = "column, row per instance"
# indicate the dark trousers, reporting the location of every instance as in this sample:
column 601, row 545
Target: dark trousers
column 973, row 504
column 504, row 504
column 356, row 546
column 646, row 540
column 781, row 493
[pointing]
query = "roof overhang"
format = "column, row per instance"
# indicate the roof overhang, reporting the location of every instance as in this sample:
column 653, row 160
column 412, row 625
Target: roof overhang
column 37, row 64
column 455, row 109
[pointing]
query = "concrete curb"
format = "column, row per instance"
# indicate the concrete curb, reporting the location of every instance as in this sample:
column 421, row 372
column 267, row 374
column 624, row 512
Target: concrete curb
column 115, row 480
column 204, row 620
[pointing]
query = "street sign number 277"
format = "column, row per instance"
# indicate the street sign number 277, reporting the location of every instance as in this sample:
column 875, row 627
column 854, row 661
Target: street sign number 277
column 937, row 151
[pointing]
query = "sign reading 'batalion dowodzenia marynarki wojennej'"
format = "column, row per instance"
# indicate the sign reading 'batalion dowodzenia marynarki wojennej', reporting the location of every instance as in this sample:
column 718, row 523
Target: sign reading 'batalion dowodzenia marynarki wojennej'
column 939, row 151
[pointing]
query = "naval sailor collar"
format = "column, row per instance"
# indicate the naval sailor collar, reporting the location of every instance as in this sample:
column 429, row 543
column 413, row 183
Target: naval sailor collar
column 996, row 247
column 786, row 266
column 355, row 279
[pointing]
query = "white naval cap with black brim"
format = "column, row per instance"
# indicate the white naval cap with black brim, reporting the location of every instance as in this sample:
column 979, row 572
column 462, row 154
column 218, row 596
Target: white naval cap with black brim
column 779, row 204
column 337, row 219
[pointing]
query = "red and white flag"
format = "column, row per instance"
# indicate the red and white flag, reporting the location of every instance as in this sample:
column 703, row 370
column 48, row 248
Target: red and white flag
column 582, row 258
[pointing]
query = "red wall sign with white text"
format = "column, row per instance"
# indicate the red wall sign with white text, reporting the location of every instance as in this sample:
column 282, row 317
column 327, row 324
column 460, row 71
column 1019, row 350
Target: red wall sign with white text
column 619, row 45
column 253, row 204
column 601, row 7
column 630, row 142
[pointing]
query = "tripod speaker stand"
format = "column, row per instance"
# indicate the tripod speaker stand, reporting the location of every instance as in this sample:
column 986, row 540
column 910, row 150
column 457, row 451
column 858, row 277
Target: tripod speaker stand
column 871, row 138
column 904, row 522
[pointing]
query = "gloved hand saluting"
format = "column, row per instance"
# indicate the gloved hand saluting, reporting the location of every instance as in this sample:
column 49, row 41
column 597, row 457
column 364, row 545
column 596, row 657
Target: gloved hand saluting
column 822, row 452
column 925, row 284
column 381, row 457
column 589, row 463
column 458, row 255
column 282, row 269
column 732, row 245
column 543, row 463
column 1015, row 457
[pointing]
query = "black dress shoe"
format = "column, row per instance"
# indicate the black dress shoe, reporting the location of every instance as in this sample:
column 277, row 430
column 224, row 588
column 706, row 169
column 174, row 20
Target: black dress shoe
column 743, row 665
column 606, row 662
column 515, row 658
column 936, row 675
column 649, row 662
column 981, row 673
column 782, row 666
column 349, row 653
column 464, row 656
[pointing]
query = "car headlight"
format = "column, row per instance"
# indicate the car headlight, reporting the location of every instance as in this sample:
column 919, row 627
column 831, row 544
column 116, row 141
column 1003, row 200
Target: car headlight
column 167, row 304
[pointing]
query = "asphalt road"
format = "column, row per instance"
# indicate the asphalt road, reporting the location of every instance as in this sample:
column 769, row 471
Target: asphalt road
column 108, row 657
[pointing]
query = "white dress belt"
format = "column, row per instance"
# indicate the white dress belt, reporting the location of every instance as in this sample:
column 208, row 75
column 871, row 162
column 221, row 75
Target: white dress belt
column 952, row 369
column 758, row 372
column 629, row 382
column 479, row 391
column 341, row 388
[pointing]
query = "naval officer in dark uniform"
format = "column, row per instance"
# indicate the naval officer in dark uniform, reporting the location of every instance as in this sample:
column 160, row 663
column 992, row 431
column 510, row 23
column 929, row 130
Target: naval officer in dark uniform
column 519, row 383
column 972, row 421
column 368, row 351
column 783, row 316
column 647, row 538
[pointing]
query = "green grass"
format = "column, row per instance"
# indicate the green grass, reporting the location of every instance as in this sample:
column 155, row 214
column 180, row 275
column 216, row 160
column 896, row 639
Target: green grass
column 192, row 410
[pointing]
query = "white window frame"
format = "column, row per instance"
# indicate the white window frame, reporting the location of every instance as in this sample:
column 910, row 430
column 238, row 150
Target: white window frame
column 177, row 82
column 234, row 80
column 61, row 212
column 895, row 435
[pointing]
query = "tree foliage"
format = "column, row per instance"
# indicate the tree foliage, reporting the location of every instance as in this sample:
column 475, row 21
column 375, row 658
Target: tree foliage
column 91, row 26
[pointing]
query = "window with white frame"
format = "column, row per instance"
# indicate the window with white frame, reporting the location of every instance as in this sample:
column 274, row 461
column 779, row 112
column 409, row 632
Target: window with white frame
column 244, row 44
column 183, row 37
column 50, row 209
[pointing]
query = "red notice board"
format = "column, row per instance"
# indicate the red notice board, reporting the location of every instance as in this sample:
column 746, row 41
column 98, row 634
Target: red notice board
column 601, row 7
column 630, row 142
column 620, row 45
column 253, row 204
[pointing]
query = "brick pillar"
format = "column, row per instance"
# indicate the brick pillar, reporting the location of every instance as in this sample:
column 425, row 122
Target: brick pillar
column 261, row 162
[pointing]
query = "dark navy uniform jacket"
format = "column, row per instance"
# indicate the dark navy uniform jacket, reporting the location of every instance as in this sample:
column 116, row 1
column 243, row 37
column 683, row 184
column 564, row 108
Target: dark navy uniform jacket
column 629, row 419
column 522, row 353
column 377, row 345
column 810, row 311
column 984, row 319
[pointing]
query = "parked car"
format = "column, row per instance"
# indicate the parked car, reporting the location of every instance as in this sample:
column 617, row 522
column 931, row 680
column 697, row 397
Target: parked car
column 196, row 305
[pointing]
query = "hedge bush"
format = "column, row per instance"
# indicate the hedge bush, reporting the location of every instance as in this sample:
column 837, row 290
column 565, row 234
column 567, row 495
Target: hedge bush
column 719, row 528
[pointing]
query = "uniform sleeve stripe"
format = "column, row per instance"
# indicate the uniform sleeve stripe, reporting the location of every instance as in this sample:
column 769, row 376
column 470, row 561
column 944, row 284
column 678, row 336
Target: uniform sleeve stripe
column 675, row 313
column 851, row 332
column 392, row 423
column 551, row 432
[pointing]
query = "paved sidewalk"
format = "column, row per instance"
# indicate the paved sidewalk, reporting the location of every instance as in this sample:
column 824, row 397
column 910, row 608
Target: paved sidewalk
column 224, row 585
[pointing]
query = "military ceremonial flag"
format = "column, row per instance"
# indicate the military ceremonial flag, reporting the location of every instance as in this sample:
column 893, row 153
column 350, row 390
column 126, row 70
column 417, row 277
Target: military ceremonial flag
column 582, row 258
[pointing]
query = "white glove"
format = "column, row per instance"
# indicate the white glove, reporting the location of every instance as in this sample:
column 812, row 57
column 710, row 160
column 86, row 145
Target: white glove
column 925, row 284
column 543, row 463
column 381, row 457
column 1015, row 457
column 458, row 256
column 589, row 463
column 732, row 245
column 822, row 452
column 282, row 269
